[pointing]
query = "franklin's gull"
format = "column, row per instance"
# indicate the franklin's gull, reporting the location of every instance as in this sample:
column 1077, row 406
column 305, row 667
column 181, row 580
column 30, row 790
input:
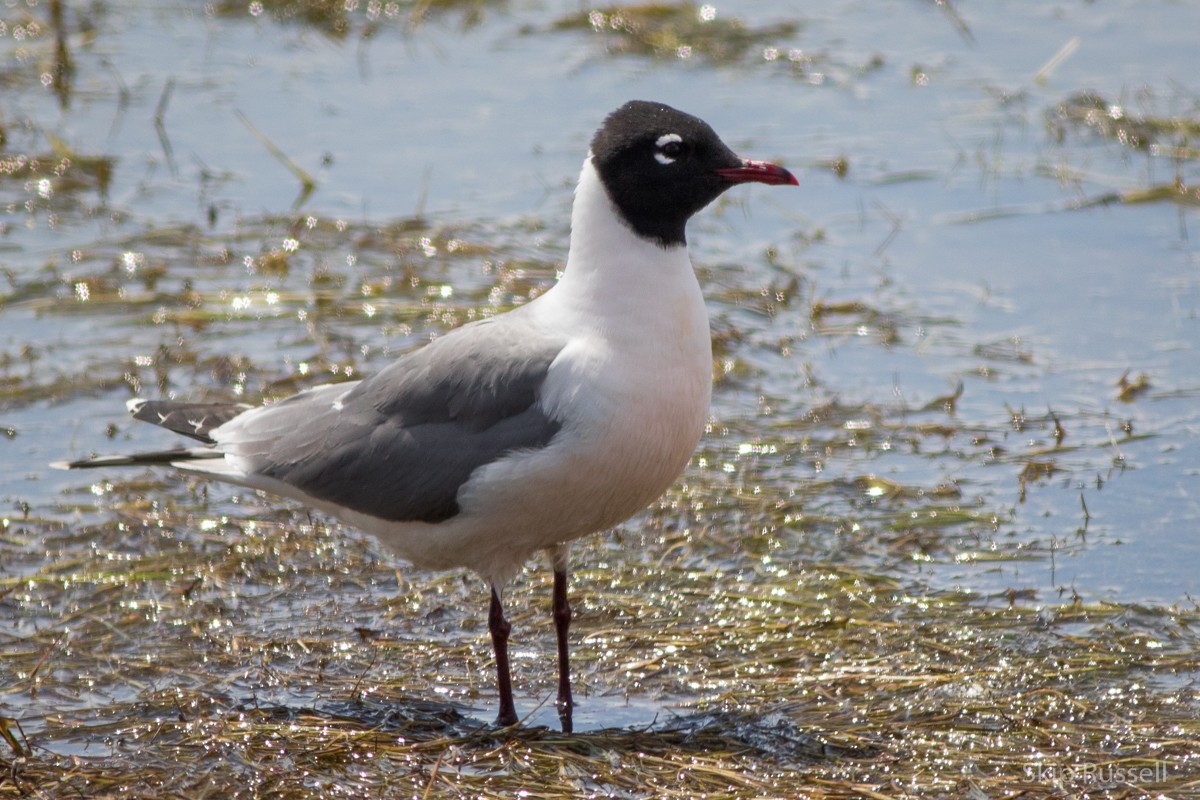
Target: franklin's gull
column 522, row 432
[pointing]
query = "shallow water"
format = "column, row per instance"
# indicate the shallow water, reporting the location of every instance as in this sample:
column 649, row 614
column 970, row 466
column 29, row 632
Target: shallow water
column 1038, row 309
column 951, row 253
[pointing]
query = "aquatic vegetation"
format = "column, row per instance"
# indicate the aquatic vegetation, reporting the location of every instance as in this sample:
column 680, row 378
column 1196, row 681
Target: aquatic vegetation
column 339, row 18
column 1172, row 136
column 867, row 584
column 771, row 673
column 678, row 30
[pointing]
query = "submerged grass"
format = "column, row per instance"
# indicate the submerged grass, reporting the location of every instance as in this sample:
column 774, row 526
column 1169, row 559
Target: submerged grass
column 169, row 638
column 1173, row 135
column 59, row 171
column 765, row 631
column 710, row 35
column 338, row 18
column 300, row 276
column 184, row 652
column 678, row 30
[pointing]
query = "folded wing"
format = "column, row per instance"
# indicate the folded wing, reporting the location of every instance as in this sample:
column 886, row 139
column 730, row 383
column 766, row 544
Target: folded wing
column 400, row 444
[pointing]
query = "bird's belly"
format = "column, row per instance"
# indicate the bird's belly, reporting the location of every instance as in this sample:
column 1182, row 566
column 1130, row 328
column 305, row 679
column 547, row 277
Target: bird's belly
column 625, row 439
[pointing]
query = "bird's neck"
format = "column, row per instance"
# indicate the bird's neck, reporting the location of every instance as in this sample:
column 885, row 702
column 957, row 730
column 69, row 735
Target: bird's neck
column 611, row 269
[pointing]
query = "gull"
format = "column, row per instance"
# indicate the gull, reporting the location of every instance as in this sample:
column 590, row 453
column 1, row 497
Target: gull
column 521, row 432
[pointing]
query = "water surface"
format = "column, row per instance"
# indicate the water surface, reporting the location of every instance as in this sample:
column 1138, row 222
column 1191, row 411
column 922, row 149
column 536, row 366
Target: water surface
column 969, row 361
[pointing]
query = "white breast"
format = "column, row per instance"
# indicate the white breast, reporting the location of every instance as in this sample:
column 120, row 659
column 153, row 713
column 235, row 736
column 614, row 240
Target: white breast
column 631, row 389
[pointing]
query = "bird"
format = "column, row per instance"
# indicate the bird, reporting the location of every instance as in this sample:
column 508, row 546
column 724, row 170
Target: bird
column 524, row 431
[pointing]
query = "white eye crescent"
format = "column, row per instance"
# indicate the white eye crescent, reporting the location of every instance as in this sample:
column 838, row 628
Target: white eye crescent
column 669, row 145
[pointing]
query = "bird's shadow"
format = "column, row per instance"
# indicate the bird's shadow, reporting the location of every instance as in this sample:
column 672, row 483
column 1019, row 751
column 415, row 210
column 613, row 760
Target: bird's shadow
column 770, row 734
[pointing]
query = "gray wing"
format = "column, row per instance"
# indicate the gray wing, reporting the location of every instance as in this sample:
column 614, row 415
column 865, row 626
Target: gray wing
column 399, row 445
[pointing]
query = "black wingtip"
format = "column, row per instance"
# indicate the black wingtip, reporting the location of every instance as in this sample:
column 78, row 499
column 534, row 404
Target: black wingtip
column 195, row 420
column 158, row 457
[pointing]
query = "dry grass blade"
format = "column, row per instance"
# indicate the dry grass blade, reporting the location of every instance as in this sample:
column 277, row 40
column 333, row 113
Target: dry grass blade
column 307, row 184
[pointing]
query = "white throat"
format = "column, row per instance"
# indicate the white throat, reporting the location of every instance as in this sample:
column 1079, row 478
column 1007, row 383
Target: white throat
column 610, row 268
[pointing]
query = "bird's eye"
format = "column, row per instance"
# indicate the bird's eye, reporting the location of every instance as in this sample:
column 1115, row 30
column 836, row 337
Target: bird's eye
column 668, row 148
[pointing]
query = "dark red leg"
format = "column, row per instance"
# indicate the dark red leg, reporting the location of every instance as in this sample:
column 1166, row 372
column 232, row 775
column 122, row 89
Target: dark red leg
column 499, row 628
column 562, row 624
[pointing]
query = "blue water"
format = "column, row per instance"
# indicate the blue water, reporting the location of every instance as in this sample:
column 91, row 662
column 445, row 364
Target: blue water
column 954, row 218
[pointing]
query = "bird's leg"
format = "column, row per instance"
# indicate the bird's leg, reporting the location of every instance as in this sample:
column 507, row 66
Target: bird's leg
column 499, row 628
column 562, row 624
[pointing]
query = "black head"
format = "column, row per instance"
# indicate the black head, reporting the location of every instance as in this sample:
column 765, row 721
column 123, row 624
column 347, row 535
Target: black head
column 660, row 166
